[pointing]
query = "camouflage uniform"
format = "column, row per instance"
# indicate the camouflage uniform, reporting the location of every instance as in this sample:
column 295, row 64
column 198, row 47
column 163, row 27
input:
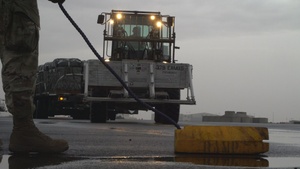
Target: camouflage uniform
column 19, row 35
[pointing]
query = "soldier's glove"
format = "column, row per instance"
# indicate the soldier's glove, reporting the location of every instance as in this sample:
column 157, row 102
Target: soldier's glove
column 57, row 1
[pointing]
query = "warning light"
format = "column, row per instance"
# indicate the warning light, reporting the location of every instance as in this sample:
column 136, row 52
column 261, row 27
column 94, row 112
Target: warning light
column 61, row 98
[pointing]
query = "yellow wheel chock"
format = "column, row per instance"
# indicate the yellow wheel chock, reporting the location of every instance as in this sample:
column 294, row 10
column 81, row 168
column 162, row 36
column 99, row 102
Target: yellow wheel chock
column 221, row 140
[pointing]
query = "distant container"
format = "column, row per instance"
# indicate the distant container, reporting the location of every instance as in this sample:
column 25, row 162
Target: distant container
column 260, row 120
column 241, row 114
column 246, row 120
column 295, row 122
column 238, row 117
column 229, row 113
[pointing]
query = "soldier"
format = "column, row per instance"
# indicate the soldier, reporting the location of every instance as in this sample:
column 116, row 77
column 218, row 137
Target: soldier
column 19, row 36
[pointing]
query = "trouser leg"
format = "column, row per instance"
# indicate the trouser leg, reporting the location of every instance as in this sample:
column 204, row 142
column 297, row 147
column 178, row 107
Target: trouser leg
column 18, row 65
column 19, row 69
column 18, row 78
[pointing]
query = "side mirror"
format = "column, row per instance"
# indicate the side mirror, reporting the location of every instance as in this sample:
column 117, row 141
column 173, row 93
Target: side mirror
column 170, row 21
column 100, row 19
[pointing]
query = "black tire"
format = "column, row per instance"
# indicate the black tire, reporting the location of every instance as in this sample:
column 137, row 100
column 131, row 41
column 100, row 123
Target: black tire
column 157, row 117
column 98, row 112
column 111, row 111
column 42, row 109
column 171, row 110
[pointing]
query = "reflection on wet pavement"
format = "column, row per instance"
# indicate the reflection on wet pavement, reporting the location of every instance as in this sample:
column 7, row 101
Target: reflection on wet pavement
column 221, row 160
column 33, row 161
column 37, row 161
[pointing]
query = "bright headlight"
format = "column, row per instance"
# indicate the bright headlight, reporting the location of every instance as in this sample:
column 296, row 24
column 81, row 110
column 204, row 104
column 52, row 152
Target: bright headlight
column 119, row 16
column 111, row 21
column 152, row 17
column 158, row 24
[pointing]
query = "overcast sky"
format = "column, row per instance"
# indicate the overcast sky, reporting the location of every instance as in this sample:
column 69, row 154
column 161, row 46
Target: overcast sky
column 245, row 53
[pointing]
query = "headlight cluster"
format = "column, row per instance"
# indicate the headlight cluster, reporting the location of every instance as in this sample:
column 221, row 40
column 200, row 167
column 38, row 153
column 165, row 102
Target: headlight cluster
column 153, row 18
column 158, row 22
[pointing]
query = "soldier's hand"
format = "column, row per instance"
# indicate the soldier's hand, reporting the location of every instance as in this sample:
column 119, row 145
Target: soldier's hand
column 57, row 1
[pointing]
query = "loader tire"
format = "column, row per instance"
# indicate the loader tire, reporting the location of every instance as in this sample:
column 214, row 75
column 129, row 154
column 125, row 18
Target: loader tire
column 98, row 112
column 169, row 109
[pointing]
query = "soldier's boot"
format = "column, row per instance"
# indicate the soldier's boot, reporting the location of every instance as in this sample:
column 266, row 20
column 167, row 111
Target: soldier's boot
column 27, row 138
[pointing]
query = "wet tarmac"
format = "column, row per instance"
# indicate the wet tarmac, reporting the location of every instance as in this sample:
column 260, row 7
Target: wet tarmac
column 284, row 153
column 184, row 161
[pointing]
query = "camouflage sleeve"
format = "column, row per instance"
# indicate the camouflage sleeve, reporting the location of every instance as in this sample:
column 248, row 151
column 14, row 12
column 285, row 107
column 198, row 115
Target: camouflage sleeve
column 22, row 34
column 29, row 8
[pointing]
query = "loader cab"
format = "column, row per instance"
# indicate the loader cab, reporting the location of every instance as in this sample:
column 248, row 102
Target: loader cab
column 138, row 35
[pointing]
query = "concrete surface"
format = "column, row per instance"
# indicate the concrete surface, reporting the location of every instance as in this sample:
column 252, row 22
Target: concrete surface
column 137, row 144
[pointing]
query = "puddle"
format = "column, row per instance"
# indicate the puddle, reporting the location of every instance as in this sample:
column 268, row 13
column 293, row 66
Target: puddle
column 243, row 161
column 36, row 161
column 218, row 160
